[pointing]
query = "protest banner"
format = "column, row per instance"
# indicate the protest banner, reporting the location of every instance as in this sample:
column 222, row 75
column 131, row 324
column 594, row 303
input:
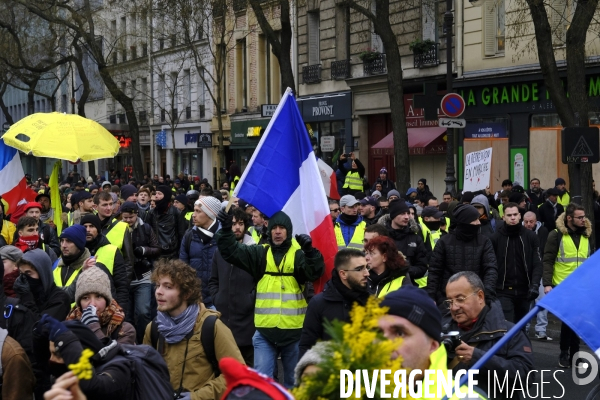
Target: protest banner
column 478, row 165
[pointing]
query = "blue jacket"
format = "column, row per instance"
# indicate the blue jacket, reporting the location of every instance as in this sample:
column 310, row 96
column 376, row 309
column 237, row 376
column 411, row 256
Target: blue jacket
column 200, row 257
column 348, row 230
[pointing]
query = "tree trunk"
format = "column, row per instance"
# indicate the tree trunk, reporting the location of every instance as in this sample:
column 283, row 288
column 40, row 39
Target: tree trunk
column 3, row 106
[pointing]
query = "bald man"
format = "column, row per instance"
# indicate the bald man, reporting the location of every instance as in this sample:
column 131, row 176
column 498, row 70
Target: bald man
column 530, row 222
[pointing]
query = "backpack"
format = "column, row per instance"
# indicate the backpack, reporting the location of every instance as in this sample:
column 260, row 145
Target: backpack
column 207, row 338
column 149, row 372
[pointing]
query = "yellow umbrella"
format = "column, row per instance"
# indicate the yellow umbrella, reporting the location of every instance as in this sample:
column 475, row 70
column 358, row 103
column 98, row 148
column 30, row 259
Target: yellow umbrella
column 64, row 136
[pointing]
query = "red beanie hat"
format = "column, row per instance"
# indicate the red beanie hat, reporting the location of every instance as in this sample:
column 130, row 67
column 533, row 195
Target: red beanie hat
column 242, row 379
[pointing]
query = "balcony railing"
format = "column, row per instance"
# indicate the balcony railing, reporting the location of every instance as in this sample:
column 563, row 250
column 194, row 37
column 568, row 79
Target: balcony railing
column 340, row 69
column 375, row 66
column 429, row 58
column 311, row 73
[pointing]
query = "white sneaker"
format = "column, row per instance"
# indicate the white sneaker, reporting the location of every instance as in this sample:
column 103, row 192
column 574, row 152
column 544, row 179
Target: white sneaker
column 542, row 336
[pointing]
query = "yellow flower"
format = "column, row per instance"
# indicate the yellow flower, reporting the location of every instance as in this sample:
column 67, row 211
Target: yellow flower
column 83, row 369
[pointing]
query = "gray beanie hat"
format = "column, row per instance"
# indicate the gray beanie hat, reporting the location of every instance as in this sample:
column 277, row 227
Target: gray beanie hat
column 312, row 357
column 93, row 280
column 10, row 253
column 210, row 205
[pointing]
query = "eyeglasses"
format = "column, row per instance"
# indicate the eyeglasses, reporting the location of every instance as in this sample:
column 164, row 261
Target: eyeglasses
column 358, row 269
column 580, row 218
column 459, row 301
column 335, row 210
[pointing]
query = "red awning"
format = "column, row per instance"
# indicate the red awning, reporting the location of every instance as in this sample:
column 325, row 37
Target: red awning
column 418, row 138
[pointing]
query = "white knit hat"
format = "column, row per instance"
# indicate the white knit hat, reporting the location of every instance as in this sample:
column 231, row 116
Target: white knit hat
column 93, row 280
column 210, row 205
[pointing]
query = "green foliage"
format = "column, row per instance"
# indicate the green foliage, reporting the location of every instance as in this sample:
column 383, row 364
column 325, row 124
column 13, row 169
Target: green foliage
column 419, row 46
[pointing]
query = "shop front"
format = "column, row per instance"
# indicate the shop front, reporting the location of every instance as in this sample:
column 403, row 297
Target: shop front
column 245, row 135
column 328, row 120
column 426, row 146
column 192, row 152
column 515, row 116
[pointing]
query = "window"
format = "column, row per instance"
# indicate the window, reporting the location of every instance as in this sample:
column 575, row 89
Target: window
column 144, row 93
column 161, row 95
column 559, row 17
column 429, row 20
column 241, row 74
column 342, row 33
column 494, row 27
column 187, row 93
column 201, row 93
column 314, row 37
column 174, row 94
column 376, row 43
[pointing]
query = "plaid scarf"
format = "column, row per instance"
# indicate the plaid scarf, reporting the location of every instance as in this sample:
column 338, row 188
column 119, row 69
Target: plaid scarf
column 111, row 318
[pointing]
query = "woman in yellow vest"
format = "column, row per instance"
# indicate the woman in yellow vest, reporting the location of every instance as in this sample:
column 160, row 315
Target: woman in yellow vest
column 353, row 171
column 388, row 269
column 234, row 176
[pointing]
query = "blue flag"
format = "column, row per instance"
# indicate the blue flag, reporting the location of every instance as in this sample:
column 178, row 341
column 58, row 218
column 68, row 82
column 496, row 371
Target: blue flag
column 575, row 301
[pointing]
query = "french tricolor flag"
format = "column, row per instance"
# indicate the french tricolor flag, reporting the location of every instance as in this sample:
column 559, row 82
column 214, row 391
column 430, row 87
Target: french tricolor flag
column 13, row 185
column 283, row 175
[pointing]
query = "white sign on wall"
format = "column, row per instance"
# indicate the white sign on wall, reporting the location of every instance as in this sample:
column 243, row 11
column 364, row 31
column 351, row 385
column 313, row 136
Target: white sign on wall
column 327, row 143
column 478, row 166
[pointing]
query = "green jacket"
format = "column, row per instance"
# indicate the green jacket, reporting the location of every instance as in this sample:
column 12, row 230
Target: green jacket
column 253, row 259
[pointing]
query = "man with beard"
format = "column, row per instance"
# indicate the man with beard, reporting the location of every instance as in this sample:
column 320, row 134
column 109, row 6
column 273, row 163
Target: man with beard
column 110, row 256
column 348, row 284
column 47, row 213
column 234, row 291
column 407, row 241
column 164, row 220
column 535, row 192
column 462, row 249
column 564, row 198
column 519, row 265
column 115, row 231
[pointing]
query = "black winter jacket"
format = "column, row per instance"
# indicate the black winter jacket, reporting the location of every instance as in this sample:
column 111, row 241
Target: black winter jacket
column 515, row 357
column 121, row 275
column 328, row 305
column 531, row 249
column 168, row 231
column 143, row 236
column 546, row 212
column 412, row 246
column 452, row 255
column 233, row 293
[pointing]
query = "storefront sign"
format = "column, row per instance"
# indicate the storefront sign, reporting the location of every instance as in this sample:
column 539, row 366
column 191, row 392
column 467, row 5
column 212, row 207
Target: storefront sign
column 478, row 166
column 415, row 117
column 267, row 110
column 336, row 106
column 190, row 138
column 492, row 130
column 123, row 141
column 204, row 140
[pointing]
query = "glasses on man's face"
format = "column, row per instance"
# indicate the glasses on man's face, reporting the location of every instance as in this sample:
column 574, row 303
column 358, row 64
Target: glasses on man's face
column 459, row 301
column 581, row 218
column 358, row 269
column 335, row 210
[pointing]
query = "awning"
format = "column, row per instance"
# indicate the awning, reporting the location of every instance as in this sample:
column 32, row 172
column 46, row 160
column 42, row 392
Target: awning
column 421, row 141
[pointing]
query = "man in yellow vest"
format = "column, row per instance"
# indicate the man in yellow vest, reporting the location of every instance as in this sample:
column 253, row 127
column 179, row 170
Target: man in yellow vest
column 281, row 268
column 353, row 172
column 567, row 247
column 83, row 204
column 115, row 231
column 414, row 317
column 75, row 257
column 109, row 255
column 431, row 223
column 259, row 227
column 349, row 227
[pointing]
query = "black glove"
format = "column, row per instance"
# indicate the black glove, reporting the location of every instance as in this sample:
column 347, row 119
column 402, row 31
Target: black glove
column 225, row 219
column 490, row 295
column 305, row 242
column 139, row 252
column 52, row 326
column 533, row 293
column 21, row 286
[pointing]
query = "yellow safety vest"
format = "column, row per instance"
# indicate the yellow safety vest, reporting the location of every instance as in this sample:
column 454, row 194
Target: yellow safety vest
column 252, row 231
column 353, row 181
column 188, row 215
column 391, row 286
column 569, row 257
column 235, row 179
column 106, row 256
column 356, row 241
column 58, row 279
column 501, row 210
column 8, row 231
column 564, row 200
column 116, row 233
column 279, row 299
column 433, row 236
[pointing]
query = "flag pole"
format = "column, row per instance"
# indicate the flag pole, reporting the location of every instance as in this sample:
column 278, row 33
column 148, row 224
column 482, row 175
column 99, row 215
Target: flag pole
column 490, row 353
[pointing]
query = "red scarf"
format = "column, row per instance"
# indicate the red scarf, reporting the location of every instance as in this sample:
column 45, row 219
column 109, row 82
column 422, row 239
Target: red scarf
column 25, row 243
column 469, row 326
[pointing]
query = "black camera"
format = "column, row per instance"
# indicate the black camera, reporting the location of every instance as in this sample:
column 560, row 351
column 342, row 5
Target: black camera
column 451, row 340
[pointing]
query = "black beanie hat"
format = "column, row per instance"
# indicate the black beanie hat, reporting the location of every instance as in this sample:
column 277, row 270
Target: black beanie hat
column 415, row 305
column 467, row 197
column 423, row 180
column 397, row 207
column 516, row 197
column 91, row 219
column 465, row 214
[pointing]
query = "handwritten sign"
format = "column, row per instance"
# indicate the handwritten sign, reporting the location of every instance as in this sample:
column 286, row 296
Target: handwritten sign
column 478, row 166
